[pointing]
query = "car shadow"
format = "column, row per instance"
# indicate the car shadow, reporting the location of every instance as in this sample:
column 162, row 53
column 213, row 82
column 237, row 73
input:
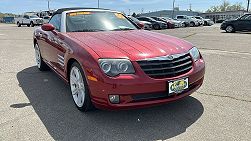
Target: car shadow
column 238, row 32
column 51, row 99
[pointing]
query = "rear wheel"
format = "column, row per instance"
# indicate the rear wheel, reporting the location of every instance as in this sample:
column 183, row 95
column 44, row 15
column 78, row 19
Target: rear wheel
column 32, row 24
column 18, row 24
column 156, row 27
column 230, row 29
column 192, row 24
column 79, row 88
column 39, row 61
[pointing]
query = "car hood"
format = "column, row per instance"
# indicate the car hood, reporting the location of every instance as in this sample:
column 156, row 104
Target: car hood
column 134, row 44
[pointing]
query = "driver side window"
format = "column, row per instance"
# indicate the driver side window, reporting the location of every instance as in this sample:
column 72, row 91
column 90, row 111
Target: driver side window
column 56, row 21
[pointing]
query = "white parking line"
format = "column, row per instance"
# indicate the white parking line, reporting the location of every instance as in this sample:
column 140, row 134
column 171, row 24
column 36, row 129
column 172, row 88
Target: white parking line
column 223, row 52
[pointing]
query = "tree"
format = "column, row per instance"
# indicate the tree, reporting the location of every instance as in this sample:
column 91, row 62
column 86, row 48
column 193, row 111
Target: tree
column 226, row 6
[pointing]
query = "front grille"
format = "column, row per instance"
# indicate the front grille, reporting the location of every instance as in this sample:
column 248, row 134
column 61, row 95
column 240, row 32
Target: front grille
column 166, row 67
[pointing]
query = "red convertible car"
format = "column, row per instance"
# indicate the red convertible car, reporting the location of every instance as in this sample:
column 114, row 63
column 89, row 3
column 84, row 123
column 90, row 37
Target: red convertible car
column 110, row 63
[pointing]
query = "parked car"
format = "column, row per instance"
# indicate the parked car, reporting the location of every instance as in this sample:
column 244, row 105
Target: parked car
column 146, row 25
column 157, row 25
column 110, row 64
column 169, row 23
column 194, row 22
column 207, row 22
column 46, row 19
column 29, row 21
column 200, row 21
column 183, row 18
column 177, row 24
column 241, row 24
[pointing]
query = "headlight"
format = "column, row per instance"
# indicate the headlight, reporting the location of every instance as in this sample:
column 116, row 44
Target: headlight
column 195, row 54
column 114, row 67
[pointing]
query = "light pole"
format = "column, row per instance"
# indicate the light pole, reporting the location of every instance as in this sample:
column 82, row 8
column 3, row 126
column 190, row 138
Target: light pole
column 49, row 5
column 173, row 9
column 248, row 5
column 98, row 3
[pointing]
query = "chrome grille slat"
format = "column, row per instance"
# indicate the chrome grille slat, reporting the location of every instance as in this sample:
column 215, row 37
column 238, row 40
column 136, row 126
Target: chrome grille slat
column 168, row 68
column 146, row 63
column 159, row 69
column 168, row 73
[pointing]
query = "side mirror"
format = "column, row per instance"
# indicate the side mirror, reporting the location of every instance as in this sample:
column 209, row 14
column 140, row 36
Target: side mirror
column 48, row 27
column 141, row 25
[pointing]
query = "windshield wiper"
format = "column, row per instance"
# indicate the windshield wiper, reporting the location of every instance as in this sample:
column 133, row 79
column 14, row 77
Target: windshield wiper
column 122, row 29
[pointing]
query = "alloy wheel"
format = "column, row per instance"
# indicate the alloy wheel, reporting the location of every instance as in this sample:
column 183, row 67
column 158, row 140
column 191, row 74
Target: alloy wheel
column 37, row 56
column 229, row 29
column 77, row 86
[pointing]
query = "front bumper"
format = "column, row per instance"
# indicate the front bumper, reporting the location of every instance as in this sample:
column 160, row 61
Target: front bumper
column 131, row 87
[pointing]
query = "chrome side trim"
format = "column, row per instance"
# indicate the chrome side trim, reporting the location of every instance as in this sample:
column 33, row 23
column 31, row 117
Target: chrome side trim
column 60, row 60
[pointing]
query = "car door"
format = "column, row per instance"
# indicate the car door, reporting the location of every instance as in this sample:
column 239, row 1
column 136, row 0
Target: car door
column 244, row 23
column 56, row 47
column 26, row 19
column 248, row 20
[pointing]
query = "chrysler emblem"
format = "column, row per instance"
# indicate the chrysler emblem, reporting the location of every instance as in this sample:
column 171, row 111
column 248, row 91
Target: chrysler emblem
column 169, row 57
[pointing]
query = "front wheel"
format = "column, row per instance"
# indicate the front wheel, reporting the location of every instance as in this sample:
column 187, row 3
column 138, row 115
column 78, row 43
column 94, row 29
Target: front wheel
column 79, row 88
column 192, row 24
column 39, row 61
column 230, row 29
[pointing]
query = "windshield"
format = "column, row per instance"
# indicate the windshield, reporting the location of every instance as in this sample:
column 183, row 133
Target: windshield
column 97, row 21
column 34, row 16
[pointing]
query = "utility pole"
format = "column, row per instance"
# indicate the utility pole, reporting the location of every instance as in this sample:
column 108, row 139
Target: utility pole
column 49, row 5
column 98, row 3
column 248, row 6
column 190, row 7
column 173, row 9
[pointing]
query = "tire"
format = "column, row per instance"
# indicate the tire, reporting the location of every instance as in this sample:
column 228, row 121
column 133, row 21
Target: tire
column 156, row 27
column 192, row 24
column 28, row 25
column 205, row 24
column 18, row 24
column 42, row 66
column 79, row 88
column 230, row 29
column 183, row 24
column 32, row 24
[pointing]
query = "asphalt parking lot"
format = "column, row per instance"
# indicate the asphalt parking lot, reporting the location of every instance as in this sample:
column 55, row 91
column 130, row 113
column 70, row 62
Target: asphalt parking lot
column 38, row 105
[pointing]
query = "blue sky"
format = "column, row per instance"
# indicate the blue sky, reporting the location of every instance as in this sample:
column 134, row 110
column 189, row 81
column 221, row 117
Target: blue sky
column 20, row 6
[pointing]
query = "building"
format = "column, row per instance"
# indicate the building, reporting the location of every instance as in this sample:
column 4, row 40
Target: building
column 221, row 16
column 169, row 13
column 8, row 20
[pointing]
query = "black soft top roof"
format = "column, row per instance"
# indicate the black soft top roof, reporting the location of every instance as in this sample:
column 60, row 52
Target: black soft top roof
column 60, row 11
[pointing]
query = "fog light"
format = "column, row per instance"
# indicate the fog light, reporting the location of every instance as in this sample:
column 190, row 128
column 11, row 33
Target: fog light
column 114, row 99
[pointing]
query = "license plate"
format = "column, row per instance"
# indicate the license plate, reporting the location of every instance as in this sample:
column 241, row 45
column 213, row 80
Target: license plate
column 178, row 86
